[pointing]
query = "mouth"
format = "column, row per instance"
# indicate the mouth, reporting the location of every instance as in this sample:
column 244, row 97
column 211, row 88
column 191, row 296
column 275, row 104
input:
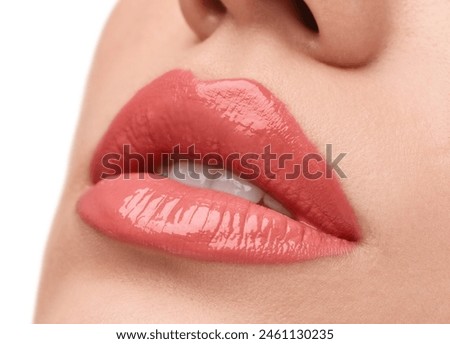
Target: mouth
column 207, row 169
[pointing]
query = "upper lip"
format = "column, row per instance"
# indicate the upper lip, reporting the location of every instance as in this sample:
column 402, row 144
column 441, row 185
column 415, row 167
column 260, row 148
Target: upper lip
column 229, row 116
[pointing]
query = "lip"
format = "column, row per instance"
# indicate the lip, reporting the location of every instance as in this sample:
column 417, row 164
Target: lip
column 225, row 117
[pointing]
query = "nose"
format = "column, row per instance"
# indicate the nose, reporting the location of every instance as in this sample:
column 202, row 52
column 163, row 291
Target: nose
column 342, row 33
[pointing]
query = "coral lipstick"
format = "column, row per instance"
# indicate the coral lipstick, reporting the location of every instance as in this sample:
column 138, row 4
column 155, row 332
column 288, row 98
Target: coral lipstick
column 202, row 223
column 224, row 117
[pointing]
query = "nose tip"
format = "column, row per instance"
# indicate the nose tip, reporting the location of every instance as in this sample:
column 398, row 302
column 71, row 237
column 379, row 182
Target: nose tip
column 339, row 33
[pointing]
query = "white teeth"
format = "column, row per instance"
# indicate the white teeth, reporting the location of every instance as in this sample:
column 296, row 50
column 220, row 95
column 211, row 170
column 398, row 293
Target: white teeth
column 189, row 174
column 234, row 185
column 194, row 175
column 272, row 203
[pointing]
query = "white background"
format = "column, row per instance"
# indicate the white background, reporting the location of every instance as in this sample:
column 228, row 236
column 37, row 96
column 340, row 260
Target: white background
column 46, row 47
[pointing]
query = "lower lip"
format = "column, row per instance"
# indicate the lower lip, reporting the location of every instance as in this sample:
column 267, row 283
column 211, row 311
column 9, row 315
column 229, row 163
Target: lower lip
column 201, row 223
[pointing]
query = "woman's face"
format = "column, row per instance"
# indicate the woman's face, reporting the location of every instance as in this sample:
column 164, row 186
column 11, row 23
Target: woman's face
column 374, row 83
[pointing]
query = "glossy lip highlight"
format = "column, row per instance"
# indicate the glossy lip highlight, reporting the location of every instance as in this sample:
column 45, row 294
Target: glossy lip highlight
column 225, row 117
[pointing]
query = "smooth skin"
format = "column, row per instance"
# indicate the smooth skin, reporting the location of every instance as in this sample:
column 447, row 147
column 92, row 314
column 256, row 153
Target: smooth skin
column 374, row 82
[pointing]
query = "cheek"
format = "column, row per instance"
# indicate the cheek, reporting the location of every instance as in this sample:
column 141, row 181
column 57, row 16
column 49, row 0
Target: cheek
column 400, row 164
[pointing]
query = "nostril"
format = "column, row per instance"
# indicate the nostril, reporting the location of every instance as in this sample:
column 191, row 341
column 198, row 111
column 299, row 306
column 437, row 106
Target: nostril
column 214, row 6
column 203, row 16
column 305, row 16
